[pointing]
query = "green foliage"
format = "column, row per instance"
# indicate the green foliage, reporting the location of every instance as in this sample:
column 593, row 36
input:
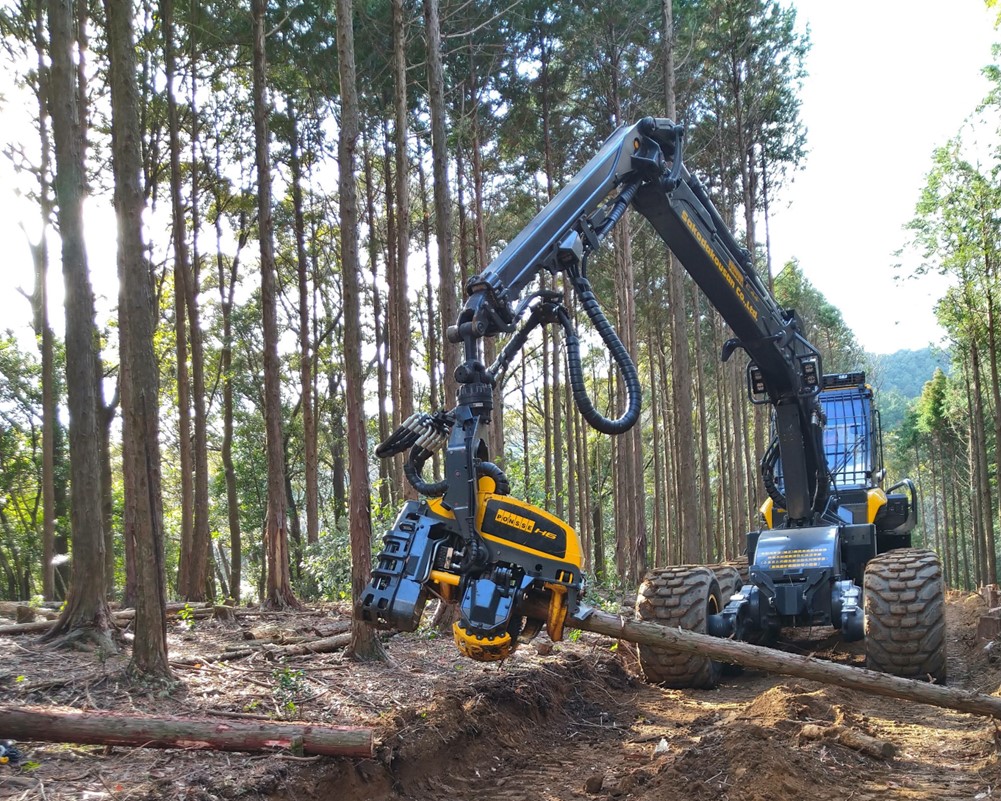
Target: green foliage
column 186, row 617
column 20, row 470
column 289, row 687
column 906, row 371
column 326, row 565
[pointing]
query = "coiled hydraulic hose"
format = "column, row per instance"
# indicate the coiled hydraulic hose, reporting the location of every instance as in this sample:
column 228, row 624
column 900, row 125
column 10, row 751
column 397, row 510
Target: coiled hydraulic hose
column 620, row 355
column 415, row 464
column 412, row 470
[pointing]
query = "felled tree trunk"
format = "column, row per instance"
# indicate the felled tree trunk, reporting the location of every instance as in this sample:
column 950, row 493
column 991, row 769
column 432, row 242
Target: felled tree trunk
column 753, row 656
column 107, row 728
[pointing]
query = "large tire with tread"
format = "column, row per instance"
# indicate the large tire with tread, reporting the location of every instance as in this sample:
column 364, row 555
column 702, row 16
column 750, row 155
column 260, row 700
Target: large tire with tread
column 728, row 578
column 905, row 614
column 740, row 564
column 679, row 597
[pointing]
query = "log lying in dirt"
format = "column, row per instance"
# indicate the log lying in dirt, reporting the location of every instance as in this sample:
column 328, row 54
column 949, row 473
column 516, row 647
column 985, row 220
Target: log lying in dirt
column 26, row 628
column 881, row 749
column 106, row 728
column 753, row 656
column 123, row 616
column 324, row 645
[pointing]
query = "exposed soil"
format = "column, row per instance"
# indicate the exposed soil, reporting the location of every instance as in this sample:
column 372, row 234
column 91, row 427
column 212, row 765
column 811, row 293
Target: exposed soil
column 572, row 723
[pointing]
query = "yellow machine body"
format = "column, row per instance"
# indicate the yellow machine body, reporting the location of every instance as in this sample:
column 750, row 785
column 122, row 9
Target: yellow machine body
column 537, row 542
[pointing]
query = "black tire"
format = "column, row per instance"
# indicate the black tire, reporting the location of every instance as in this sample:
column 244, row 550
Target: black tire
column 742, row 567
column 728, row 578
column 905, row 614
column 679, row 597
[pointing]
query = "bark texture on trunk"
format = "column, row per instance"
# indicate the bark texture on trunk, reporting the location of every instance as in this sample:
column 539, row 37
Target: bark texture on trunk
column 86, row 612
column 689, row 536
column 40, row 306
column 278, row 589
column 181, row 273
column 364, row 642
column 806, row 667
column 107, row 728
column 305, row 339
column 139, row 379
column 448, row 303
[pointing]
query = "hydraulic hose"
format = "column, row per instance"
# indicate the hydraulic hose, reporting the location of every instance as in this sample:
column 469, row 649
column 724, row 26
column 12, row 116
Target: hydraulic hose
column 415, row 464
column 412, row 470
column 491, row 470
column 768, row 462
column 620, row 355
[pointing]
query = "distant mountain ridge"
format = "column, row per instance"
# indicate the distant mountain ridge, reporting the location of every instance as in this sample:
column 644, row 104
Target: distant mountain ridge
column 899, row 378
column 906, row 371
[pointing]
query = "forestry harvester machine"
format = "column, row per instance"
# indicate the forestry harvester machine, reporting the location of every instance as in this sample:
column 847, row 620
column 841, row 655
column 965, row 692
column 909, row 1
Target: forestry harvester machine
column 834, row 549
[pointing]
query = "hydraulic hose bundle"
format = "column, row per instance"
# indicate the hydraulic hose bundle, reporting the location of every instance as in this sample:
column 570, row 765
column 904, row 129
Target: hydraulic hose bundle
column 423, row 434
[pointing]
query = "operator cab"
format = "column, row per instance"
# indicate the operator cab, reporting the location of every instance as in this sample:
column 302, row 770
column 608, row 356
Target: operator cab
column 852, row 441
column 853, row 447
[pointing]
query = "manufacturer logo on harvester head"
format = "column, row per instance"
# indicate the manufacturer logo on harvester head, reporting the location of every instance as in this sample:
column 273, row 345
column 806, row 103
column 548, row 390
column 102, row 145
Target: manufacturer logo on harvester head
column 507, row 518
column 525, row 524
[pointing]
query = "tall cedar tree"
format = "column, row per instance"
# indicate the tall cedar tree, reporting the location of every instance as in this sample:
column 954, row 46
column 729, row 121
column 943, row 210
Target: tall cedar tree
column 40, row 307
column 442, row 208
column 139, row 371
column 86, row 614
column 692, row 546
column 364, row 643
column 278, row 590
column 181, row 277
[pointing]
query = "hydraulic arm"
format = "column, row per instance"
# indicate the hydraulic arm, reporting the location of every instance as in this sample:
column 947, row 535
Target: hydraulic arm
column 468, row 541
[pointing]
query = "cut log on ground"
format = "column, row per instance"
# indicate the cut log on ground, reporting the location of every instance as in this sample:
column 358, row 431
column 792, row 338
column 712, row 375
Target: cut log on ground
column 806, row 667
column 324, row 645
column 881, row 749
column 123, row 616
column 107, row 728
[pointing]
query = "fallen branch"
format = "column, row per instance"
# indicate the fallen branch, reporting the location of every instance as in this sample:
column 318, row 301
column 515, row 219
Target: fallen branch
column 753, row 656
column 107, row 728
column 123, row 616
column 881, row 749
column 322, row 646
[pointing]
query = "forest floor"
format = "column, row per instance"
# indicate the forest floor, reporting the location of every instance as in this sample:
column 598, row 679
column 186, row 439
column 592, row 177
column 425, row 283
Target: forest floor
column 571, row 721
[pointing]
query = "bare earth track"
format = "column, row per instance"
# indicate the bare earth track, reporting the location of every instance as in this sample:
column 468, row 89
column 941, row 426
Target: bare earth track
column 575, row 723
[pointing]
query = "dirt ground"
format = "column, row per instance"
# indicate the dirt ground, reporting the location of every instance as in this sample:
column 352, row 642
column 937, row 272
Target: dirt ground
column 570, row 722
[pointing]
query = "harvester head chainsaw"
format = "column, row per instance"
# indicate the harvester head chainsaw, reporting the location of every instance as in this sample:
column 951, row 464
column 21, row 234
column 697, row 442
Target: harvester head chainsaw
column 525, row 559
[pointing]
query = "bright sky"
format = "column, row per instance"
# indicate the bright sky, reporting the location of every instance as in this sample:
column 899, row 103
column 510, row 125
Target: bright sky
column 890, row 80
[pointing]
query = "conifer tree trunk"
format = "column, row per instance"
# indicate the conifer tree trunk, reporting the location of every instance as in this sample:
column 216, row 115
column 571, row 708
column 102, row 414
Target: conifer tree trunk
column 495, row 433
column 200, row 577
column 973, row 470
column 658, row 526
column 706, row 523
column 992, row 352
column 399, row 290
column 278, row 592
column 395, row 327
column 364, row 643
column 139, row 378
column 681, row 371
column 181, row 271
column 40, row 306
column 434, row 389
column 227, row 288
column 305, row 349
column 86, row 614
column 448, row 303
column 986, row 543
column 386, row 492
